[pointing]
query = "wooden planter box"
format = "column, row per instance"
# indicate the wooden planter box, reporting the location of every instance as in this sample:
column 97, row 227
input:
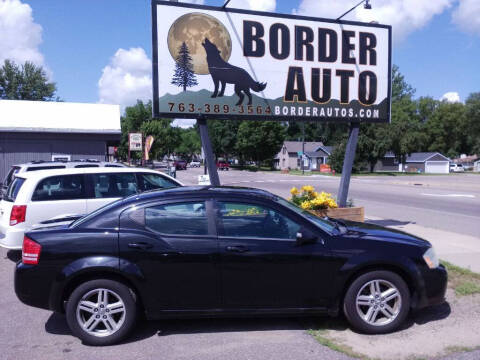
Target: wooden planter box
column 348, row 213
column 285, row 171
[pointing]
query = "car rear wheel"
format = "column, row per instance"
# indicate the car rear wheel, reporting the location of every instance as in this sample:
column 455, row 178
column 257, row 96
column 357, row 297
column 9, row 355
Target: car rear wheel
column 101, row 312
column 377, row 302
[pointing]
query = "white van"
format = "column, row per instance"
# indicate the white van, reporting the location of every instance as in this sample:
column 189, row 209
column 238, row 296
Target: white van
column 37, row 196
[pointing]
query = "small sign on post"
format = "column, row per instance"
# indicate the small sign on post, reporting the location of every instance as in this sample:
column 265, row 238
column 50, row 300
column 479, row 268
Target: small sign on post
column 203, row 180
column 135, row 141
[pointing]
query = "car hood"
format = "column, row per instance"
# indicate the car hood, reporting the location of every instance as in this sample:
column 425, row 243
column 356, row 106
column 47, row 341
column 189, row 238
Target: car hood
column 379, row 233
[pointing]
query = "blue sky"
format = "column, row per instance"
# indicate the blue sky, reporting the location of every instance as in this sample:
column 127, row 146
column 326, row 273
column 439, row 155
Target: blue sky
column 436, row 46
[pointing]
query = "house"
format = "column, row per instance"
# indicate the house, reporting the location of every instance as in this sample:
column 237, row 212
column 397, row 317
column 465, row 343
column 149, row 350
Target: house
column 290, row 155
column 467, row 161
column 40, row 130
column 421, row 162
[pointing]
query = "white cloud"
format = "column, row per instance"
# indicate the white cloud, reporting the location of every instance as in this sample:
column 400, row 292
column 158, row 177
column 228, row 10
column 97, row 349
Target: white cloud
column 405, row 16
column 126, row 78
column 451, row 97
column 467, row 16
column 20, row 36
column 184, row 123
column 259, row 5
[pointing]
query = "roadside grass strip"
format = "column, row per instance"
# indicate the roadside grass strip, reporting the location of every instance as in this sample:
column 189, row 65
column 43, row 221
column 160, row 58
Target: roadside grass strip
column 463, row 281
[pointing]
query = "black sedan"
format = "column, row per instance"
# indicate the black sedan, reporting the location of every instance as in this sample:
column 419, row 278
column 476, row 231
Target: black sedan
column 219, row 251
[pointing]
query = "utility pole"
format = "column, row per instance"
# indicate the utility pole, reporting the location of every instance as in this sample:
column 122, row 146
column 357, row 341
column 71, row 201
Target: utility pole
column 303, row 148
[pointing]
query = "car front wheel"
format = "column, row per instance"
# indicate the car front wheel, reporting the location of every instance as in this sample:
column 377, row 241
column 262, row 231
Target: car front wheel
column 101, row 312
column 377, row 302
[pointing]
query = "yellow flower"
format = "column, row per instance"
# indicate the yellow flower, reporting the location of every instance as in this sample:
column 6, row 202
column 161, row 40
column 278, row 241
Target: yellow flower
column 294, row 191
column 308, row 188
column 306, row 205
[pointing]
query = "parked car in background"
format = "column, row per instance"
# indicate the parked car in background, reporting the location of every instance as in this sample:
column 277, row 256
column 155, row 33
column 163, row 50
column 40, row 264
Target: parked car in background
column 52, row 165
column 222, row 251
column 456, row 168
column 194, row 164
column 180, row 165
column 37, row 196
column 223, row 165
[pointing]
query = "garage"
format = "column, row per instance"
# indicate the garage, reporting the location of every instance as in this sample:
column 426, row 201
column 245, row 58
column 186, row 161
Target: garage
column 437, row 167
column 427, row 162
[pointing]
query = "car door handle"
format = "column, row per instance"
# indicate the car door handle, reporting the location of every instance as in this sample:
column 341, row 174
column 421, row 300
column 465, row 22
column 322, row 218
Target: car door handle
column 170, row 253
column 238, row 248
column 140, row 245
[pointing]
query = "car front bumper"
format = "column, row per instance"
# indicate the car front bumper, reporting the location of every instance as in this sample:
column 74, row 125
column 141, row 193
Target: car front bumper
column 434, row 288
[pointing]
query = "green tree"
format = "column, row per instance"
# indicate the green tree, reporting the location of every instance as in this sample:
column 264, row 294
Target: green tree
column 167, row 138
column 27, row 82
column 132, row 121
column 260, row 140
column 190, row 143
column 223, row 135
column 447, row 130
column 472, row 110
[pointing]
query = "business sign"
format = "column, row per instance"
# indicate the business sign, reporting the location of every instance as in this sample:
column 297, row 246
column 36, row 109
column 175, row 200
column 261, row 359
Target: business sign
column 230, row 63
column 135, row 141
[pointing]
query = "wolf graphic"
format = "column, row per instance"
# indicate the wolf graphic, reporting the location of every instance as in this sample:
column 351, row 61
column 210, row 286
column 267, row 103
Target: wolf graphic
column 224, row 73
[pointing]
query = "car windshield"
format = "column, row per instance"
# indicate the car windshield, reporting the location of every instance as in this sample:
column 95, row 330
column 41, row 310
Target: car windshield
column 94, row 213
column 324, row 224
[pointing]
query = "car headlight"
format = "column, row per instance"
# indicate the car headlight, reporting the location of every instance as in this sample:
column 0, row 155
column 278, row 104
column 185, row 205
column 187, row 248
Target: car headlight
column 431, row 258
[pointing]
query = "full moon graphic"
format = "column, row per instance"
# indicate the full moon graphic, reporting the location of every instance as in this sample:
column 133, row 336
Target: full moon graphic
column 192, row 29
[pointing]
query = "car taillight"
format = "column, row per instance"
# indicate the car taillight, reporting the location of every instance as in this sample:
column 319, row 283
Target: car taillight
column 30, row 251
column 17, row 215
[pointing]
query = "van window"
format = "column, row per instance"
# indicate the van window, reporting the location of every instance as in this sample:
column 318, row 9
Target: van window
column 13, row 189
column 153, row 181
column 114, row 185
column 11, row 175
column 62, row 187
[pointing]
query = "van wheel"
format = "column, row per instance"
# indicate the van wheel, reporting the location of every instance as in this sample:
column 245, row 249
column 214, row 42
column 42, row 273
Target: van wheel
column 377, row 302
column 101, row 312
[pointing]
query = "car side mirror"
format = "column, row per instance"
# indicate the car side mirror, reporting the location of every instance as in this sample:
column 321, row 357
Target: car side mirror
column 305, row 236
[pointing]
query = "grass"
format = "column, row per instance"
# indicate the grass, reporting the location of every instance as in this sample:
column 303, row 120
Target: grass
column 319, row 335
column 463, row 281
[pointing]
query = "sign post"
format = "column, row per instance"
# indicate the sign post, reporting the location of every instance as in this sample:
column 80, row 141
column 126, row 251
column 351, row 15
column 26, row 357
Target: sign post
column 348, row 164
column 207, row 149
column 134, row 143
column 224, row 63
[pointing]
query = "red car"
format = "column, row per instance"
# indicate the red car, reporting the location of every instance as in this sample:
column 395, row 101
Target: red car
column 180, row 165
column 223, row 165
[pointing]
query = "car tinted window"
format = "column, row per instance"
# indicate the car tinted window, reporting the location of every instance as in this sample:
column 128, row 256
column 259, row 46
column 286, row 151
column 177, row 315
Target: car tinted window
column 85, row 166
column 114, row 185
column 13, row 189
column 187, row 218
column 11, row 175
column 37, row 168
column 154, row 181
column 62, row 187
column 255, row 221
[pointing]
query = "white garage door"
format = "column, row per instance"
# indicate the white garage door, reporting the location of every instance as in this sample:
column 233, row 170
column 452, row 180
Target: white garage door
column 437, row 167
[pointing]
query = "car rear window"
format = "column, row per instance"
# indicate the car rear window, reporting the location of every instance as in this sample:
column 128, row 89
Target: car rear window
column 148, row 182
column 13, row 189
column 11, row 175
column 62, row 187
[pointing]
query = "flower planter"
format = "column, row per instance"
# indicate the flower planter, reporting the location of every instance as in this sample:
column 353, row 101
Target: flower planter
column 348, row 213
column 285, row 171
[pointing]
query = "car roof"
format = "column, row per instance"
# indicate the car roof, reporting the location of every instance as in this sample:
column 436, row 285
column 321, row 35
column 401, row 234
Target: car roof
column 200, row 190
column 67, row 163
column 40, row 174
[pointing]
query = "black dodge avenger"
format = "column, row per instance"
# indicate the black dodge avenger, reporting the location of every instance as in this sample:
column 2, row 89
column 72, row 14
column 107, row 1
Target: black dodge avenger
column 221, row 251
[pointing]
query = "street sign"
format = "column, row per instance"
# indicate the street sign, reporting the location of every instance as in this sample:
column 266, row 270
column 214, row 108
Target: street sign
column 229, row 63
column 203, row 180
column 135, row 141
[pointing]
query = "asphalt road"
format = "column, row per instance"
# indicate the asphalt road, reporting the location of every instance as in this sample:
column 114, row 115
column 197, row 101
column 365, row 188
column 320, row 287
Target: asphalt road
column 445, row 202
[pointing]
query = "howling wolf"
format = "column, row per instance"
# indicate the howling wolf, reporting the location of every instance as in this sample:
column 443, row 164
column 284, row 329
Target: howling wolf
column 222, row 72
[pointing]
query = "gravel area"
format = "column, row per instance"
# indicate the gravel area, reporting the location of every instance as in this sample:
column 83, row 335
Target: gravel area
column 428, row 333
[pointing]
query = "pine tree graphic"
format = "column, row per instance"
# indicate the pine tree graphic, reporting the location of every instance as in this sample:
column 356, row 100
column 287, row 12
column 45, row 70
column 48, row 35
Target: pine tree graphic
column 184, row 75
